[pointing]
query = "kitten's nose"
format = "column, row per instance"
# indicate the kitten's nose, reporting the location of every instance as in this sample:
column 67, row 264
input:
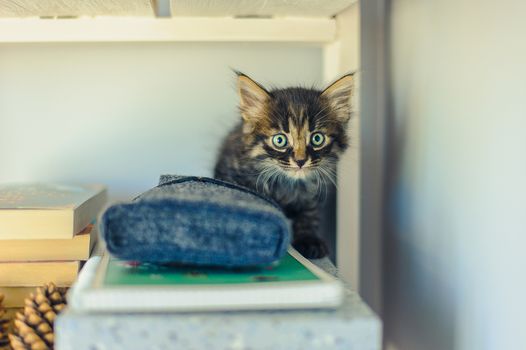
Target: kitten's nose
column 301, row 162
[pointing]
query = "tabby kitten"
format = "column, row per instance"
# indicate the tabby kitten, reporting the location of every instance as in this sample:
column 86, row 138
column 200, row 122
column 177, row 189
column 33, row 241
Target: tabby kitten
column 286, row 147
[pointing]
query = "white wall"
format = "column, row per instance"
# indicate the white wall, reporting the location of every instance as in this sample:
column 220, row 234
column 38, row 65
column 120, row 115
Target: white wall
column 121, row 114
column 455, row 254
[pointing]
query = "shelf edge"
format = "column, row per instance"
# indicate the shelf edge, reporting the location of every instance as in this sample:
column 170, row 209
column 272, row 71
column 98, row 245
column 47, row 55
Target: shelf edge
column 181, row 29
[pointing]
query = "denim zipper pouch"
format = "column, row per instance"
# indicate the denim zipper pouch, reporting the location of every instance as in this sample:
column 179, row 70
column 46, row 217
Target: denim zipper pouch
column 197, row 221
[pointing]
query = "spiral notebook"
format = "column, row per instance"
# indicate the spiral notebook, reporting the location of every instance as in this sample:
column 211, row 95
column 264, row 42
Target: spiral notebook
column 110, row 284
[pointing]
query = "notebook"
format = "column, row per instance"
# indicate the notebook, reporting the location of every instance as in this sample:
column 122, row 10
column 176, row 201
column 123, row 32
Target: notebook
column 110, row 284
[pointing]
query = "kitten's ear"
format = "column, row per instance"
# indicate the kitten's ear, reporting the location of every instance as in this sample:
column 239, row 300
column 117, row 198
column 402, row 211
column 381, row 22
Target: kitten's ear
column 253, row 98
column 339, row 95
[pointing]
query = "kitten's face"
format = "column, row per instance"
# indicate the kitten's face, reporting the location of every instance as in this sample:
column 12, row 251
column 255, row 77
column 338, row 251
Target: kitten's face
column 296, row 132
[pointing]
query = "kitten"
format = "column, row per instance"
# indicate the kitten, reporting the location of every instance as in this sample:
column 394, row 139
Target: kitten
column 286, row 147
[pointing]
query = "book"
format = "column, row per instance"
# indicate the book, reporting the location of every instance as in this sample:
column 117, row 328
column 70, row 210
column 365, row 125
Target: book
column 109, row 284
column 77, row 248
column 14, row 296
column 47, row 211
column 27, row 274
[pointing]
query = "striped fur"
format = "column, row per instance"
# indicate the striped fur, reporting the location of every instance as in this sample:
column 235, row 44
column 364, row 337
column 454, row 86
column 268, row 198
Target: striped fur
column 298, row 175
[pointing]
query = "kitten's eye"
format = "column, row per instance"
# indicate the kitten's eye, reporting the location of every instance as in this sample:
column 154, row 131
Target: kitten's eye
column 279, row 140
column 317, row 139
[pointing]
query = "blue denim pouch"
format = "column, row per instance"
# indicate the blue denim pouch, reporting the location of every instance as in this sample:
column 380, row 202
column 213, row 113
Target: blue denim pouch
column 197, row 221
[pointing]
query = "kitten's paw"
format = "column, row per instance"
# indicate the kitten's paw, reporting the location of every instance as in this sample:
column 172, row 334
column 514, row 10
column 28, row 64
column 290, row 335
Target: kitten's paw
column 310, row 246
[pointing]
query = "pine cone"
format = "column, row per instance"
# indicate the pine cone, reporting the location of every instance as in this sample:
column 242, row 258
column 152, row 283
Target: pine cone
column 34, row 327
column 4, row 323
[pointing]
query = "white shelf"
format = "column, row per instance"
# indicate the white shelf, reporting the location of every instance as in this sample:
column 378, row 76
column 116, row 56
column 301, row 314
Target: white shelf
column 75, row 8
column 269, row 8
column 179, row 29
column 183, row 8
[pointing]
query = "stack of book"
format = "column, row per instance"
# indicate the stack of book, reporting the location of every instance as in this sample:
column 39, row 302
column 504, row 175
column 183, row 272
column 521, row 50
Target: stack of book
column 46, row 232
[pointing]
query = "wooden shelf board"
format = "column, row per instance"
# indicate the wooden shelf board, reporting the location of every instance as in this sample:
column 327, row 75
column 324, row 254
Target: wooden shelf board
column 180, row 29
